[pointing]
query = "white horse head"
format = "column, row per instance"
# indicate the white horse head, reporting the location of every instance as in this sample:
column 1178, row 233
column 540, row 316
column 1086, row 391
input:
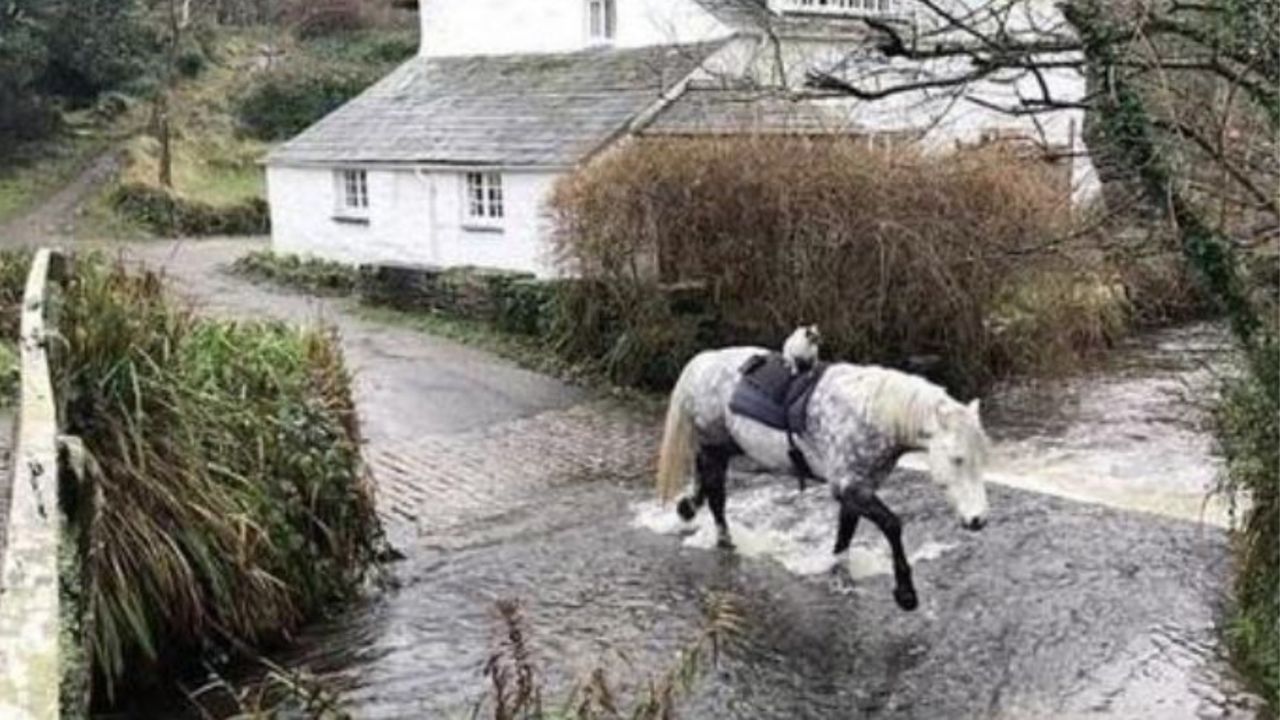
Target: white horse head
column 957, row 448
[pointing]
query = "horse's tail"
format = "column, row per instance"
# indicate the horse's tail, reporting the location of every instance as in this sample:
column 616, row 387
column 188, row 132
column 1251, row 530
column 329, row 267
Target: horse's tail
column 675, row 459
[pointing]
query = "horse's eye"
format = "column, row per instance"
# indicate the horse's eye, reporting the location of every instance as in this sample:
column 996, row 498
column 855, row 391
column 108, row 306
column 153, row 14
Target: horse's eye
column 957, row 461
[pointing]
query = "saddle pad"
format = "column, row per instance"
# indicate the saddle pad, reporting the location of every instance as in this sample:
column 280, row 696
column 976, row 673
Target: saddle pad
column 769, row 394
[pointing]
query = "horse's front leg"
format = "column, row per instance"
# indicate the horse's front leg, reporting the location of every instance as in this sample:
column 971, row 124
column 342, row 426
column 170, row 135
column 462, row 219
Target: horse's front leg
column 864, row 502
column 713, row 467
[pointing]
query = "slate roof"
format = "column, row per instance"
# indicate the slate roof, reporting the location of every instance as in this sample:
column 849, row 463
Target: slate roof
column 509, row 110
column 715, row 111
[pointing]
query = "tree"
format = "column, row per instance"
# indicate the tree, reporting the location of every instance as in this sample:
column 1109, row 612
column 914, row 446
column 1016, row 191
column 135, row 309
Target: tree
column 1148, row 66
column 94, row 46
column 23, row 113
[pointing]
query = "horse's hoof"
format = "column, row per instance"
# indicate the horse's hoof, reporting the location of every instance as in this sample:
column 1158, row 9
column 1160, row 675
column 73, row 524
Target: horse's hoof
column 686, row 510
column 724, row 542
column 906, row 598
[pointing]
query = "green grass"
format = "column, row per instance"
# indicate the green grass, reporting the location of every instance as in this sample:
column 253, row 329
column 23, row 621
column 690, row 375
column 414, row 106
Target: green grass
column 41, row 169
column 10, row 375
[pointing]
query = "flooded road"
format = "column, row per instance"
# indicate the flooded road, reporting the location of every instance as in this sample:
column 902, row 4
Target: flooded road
column 1093, row 592
column 1060, row 609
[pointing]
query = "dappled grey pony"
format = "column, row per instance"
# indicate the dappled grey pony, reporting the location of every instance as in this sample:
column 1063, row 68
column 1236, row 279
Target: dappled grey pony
column 860, row 420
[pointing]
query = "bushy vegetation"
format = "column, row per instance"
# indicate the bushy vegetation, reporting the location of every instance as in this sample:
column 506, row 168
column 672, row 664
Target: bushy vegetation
column 329, row 71
column 323, row 277
column 10, row 373
column 1249, row 432
column 55, row 52
column 282, row 104
column 14, row 265
column 895, row 255
column 167, row 213
column 230, row 504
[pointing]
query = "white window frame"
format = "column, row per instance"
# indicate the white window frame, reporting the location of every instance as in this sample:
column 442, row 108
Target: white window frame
column 484, row 200
column 854, row 8
column 351, row 190
column 602, row 21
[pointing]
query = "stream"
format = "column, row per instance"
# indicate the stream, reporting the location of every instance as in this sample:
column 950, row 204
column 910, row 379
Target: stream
column 1094, row 591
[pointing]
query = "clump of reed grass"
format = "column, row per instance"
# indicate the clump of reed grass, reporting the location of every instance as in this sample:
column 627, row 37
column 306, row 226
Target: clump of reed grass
column 516, row 687
column 231, row 503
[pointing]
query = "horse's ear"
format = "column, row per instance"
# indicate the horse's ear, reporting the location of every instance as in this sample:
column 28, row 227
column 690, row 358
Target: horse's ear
column 974, row 408
column 946, row 417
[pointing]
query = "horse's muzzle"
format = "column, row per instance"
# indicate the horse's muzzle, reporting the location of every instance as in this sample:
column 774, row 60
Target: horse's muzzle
column 975, row 524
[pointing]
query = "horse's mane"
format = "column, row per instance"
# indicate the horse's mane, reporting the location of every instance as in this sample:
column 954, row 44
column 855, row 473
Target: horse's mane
column 896, row 401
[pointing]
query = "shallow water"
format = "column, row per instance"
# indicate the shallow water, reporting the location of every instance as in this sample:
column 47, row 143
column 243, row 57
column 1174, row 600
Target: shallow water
column 1060, row 609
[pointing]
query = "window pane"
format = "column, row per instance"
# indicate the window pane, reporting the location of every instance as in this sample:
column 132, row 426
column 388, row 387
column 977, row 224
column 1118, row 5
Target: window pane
column 495, row 195
column 596, row 10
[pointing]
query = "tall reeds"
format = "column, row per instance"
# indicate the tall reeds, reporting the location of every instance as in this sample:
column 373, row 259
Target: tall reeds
column 223, row 462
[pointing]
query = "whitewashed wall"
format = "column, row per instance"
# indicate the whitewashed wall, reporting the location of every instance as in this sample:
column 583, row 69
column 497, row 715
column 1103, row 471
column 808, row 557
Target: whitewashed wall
column 414, row 217
column 498, row 27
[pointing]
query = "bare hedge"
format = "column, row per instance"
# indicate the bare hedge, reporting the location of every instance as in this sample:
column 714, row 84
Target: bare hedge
column 895, row 254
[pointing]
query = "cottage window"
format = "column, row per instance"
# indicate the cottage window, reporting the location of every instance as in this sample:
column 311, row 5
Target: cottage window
column 485, row 205
column 354, row 192
column 602, row 20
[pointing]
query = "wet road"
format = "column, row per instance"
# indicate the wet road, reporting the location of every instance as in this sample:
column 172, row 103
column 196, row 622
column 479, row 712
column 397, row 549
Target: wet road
column 498, row 484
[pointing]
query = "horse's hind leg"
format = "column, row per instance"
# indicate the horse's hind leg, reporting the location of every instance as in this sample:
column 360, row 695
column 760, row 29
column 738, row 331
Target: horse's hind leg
column 713, row 467
column 689, row 505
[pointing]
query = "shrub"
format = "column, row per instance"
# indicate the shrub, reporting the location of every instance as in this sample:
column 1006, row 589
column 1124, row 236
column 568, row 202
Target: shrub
column 893, row 254
column 14, row 266
column 311, row 274
column 191, row 62
column 230, row 502
column 283, row 103
column 1248, row 422
column 166, row 213
column 311, row 18
column 512, row 301
column 10, row 373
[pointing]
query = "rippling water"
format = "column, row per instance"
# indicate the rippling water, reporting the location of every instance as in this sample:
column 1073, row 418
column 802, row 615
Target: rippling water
column 1059, row 609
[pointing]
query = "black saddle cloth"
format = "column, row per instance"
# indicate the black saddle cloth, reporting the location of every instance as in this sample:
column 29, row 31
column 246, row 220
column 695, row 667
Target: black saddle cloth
column 770, row 394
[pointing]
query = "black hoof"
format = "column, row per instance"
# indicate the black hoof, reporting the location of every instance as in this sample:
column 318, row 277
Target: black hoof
column 724, row 542
column 906, row 598
column 686, row 510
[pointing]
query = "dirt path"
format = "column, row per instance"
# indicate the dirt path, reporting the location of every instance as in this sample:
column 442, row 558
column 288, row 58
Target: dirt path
column 53, row 220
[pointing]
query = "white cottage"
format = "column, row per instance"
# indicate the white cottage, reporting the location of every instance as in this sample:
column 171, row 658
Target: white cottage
column 449, row 160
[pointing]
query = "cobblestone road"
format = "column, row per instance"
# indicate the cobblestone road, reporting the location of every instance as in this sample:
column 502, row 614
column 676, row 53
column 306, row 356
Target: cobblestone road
column 442, row 420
